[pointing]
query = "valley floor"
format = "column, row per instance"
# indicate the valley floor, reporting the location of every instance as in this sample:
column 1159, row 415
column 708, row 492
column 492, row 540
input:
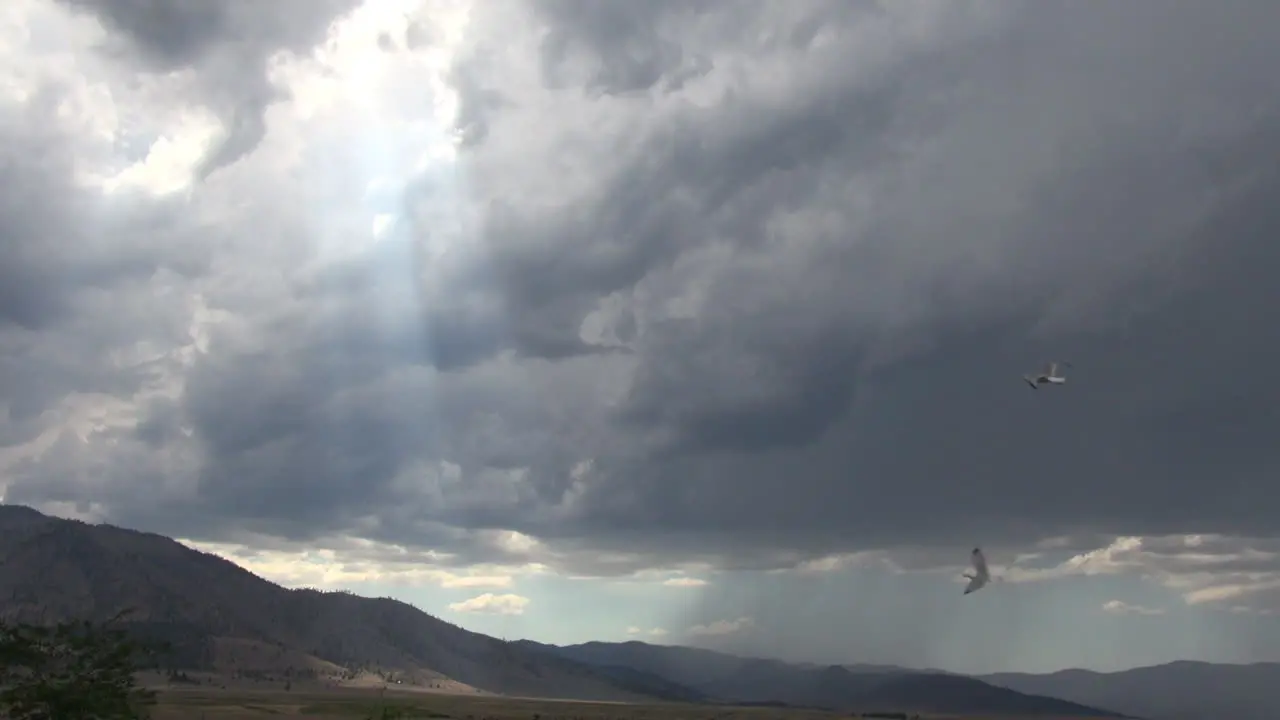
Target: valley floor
column 319, row 702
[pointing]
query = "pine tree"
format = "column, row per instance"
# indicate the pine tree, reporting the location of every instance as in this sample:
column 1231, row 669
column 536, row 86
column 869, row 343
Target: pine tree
column 71, row 670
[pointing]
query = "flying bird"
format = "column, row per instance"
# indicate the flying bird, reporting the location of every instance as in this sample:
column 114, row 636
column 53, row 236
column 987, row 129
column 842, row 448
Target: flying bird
column 1050, row 376
column 981, row 576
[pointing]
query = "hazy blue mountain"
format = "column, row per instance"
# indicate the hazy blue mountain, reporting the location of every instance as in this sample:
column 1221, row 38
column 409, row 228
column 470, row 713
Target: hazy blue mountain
column 757, row 681
column 1182, row 690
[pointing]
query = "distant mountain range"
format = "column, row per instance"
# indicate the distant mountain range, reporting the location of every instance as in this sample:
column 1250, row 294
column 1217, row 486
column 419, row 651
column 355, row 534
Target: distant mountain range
column 224, row 619
column 1176, row 691
column 723, row 677
column 1180, row 690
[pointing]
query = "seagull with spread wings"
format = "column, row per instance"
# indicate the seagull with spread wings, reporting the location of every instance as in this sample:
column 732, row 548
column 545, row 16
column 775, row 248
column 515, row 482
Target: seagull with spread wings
column 1050, row 376
column 981, row 576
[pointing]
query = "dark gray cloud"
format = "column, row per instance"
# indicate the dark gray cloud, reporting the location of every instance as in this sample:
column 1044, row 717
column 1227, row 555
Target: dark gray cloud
column 49, row 251
column 79, row 276
column 742, row 283
column 228, row 44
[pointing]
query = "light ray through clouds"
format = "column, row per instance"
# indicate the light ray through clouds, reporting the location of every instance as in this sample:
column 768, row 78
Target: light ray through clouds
column 380, row 116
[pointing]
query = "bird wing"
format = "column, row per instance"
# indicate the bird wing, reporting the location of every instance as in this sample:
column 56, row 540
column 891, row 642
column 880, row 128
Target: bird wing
column 975, row 583
column 980, row 564
column 1053, row 369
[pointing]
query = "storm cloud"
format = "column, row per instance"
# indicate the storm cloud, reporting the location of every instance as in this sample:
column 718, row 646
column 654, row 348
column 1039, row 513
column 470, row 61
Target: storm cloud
column 615, row 286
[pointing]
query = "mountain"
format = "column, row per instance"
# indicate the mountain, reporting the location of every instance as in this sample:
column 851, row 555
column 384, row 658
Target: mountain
column 959, row 695
column 729, row 678
column 220, row 617
column 630, row 677
column 225, row 618
column 697, row 668
column 1181, row 690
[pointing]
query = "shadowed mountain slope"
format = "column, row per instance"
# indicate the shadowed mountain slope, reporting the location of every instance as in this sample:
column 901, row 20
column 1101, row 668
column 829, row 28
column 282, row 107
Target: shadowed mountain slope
column 729, row 678
column 53, row 569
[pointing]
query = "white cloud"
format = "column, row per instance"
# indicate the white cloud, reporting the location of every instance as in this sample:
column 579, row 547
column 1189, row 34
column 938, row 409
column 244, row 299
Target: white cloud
column 839, row 561
column 721, row 627
column 1239, row 574
column 657, row 632
column 452, row 580
column 491, row 604
column 684, row 582
column 1208, row 570
column 351, row 561
column 1119, row 607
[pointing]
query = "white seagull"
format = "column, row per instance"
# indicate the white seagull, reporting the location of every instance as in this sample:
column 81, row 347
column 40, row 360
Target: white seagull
column 981, row 576
column 1050, row 376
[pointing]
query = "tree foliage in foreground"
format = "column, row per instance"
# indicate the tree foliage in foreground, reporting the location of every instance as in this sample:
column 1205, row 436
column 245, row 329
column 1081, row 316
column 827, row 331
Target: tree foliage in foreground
column 70, row 671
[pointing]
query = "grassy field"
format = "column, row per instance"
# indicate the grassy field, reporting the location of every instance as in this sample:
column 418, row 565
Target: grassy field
column 359, row 703
column 202, row 703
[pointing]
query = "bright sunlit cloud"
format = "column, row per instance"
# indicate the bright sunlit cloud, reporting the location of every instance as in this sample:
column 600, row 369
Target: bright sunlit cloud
column 359, row 562
column 490, row 604
column 684, row 582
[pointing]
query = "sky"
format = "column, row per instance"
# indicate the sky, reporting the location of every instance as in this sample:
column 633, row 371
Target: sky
column 691, row 322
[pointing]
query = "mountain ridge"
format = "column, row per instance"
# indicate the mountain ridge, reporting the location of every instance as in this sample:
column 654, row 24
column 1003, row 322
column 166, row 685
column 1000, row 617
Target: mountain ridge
column 226, row 618
column 763, row 681
column 55, row 569
column 1177, row 690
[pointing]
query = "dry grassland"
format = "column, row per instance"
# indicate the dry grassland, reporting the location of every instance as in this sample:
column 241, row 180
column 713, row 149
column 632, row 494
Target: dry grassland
column 353, row 703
